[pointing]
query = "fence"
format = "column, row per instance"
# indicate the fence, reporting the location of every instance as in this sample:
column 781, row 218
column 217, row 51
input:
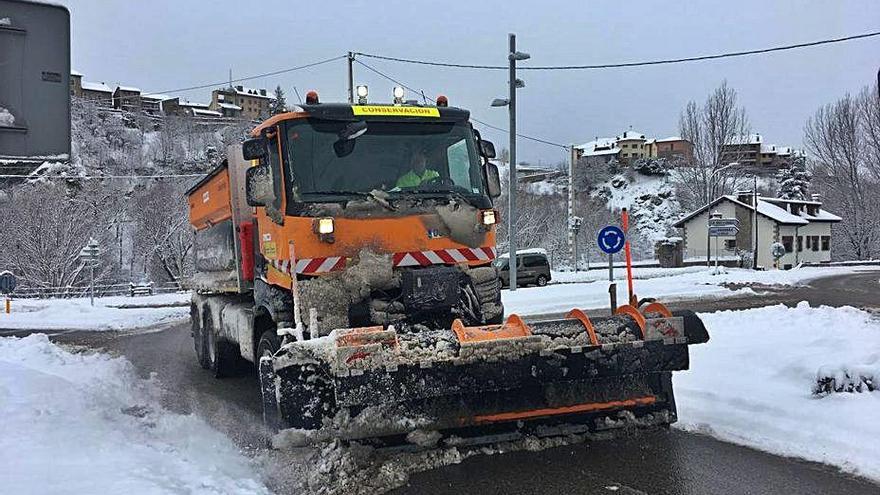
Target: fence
column 83, row 291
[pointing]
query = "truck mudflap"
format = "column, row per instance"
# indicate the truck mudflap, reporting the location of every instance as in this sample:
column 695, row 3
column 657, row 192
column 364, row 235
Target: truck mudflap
column 375, row 382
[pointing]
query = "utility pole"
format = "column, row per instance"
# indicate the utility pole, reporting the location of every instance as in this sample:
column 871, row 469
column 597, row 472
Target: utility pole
column 510, row 102
column 351, row 77
column 755, row 250
column 572, row 246
column 511, row 225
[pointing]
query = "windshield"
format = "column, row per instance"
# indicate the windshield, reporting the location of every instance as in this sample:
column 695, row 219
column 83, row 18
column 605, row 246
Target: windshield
column 420, row 158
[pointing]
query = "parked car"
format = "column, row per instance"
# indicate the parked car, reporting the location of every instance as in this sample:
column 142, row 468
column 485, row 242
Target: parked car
column 532, row 267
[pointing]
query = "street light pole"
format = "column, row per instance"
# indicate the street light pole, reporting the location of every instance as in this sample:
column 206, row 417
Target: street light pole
column 510, row 103
column 511, row 108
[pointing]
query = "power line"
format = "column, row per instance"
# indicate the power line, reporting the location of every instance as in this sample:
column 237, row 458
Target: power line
column 630, row 64
column 240, row 79
column 422, row 93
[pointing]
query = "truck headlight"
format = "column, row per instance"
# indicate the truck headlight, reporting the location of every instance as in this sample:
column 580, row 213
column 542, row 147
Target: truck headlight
column 488, row 217
column 324, row 226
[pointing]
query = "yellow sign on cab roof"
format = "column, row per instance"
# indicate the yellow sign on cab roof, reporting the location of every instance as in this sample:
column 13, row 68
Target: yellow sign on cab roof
column 386, row 110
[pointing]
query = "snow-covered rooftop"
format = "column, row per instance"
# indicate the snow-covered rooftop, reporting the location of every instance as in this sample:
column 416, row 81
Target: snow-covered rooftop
column 192, row 104
column 93, row 86
column 207, row 113
column 229, row 106
column 748, row 139
column 155, row 96
column 670, row 138
column 767, row 208
column 599, row 147
column 251, row 92
column 130, row 89
column 630, row 135
column 775, row 212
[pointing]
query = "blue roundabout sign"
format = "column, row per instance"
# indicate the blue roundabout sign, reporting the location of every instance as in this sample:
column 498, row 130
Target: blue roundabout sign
column 611, row 239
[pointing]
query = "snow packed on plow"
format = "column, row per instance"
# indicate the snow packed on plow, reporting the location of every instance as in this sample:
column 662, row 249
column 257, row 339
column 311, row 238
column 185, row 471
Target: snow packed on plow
column 358, row 384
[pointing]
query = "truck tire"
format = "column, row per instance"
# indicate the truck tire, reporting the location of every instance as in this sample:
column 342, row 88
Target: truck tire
column 220, row 354
column 541, row 281
column 267, row 347
column 198, row 337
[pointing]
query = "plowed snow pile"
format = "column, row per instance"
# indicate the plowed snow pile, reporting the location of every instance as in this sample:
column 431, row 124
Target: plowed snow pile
column 84, row 423
column 752, row 384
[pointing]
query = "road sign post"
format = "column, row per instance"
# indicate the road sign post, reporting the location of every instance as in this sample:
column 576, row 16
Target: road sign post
column 89, row 255
column 611, row 239
column 7, row 285
column 721, row 227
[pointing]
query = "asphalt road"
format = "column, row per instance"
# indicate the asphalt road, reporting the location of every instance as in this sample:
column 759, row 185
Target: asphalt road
column 661, row 462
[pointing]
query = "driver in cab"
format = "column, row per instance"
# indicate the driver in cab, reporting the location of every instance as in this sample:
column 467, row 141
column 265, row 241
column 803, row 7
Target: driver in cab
column 419, row 172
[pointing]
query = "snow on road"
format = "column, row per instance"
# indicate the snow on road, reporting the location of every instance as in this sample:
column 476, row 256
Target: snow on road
column 109, row 313
column 84, row 423
column 751, row 384
column 660, row 283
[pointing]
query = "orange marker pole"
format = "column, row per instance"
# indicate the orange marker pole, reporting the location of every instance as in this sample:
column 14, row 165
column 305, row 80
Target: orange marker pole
column 628, row 252
column 8, row 305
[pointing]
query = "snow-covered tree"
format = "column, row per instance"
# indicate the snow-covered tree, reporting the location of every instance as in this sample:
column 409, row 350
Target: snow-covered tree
column 278, row 103
column 794, row 180
column 651, row 166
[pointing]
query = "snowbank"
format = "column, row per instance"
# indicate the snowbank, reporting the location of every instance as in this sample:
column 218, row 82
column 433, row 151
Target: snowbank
column 752, row 383
column 661, row 283
column 84, row 423
column 109, row 313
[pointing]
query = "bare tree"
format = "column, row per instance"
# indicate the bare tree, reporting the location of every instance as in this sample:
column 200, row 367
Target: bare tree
column 719, row 121
column 842, row 139
column 43, row 227
column 162, row 235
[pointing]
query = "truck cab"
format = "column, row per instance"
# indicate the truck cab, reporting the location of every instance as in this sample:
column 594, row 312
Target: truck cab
column 365, row 214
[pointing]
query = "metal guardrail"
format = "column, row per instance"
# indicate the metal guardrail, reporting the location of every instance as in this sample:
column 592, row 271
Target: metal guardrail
column 22, row 292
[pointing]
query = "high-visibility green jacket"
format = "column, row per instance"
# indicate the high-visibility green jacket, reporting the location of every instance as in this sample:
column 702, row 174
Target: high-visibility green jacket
column 412, row 179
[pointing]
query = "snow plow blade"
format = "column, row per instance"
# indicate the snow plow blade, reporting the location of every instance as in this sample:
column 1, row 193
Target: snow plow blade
column 549, row 376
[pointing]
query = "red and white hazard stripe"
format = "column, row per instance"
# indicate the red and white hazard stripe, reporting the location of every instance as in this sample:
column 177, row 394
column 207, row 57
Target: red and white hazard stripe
column 443, row 256
column 409, row 258
column 312, row 265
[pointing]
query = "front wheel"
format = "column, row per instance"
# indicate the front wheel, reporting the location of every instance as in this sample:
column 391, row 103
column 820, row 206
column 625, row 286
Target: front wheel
column 541, row 280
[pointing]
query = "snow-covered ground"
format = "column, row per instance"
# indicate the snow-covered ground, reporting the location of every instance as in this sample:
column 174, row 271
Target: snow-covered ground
column 84, row 423
column 751, row 384
column 660, row 283
column 108, row 313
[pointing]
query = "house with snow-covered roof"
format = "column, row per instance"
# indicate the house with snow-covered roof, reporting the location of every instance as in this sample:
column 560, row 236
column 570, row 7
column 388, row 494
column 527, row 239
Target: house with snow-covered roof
column 99, row 93
column 803, row 227
column 127, row 98
column 752, row 152
column 632, row 145
column 252, row 103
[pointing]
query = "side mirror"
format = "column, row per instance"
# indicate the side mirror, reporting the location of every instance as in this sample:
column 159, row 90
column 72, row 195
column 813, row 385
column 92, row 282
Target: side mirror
column 259, row 187
column 487, row 149
column 254, row 149
column 493, row 180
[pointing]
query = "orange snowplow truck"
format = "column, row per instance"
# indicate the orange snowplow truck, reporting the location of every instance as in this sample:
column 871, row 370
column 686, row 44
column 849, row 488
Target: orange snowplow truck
column 346, row 250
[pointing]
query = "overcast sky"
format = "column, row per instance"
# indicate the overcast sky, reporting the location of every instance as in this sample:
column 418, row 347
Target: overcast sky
column 159, row 45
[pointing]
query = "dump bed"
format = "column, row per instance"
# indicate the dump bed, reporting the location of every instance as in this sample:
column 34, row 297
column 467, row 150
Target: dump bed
column 223, row 228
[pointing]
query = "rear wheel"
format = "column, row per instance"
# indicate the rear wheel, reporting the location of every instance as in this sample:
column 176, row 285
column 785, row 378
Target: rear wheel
column 541, row 280
column 198, row 337
column 221, row 356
